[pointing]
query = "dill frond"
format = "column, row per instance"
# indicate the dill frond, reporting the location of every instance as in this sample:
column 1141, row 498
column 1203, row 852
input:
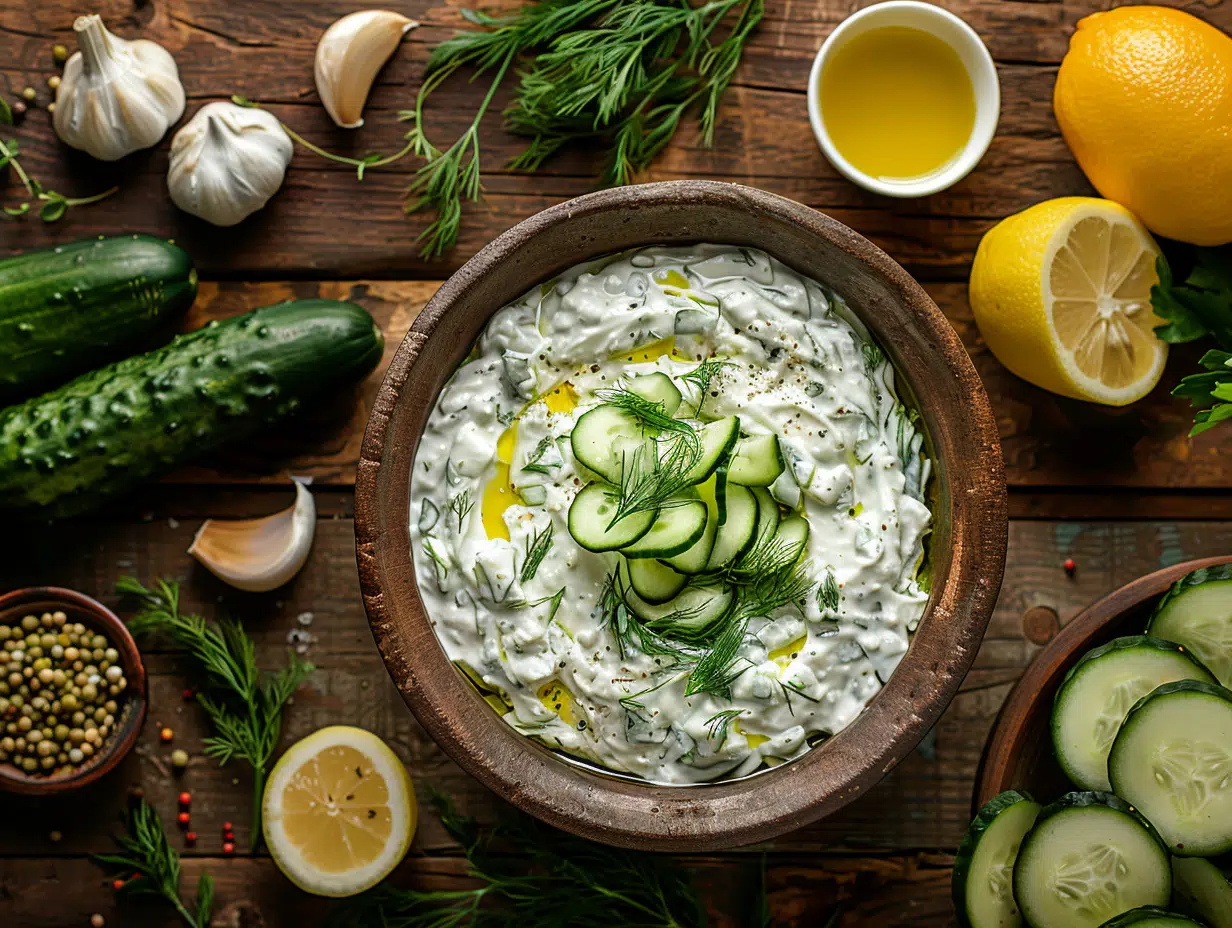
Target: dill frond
column 537, row 547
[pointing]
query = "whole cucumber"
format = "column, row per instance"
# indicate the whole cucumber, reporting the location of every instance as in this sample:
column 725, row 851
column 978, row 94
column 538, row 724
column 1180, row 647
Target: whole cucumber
column 110, row 430
column 67, row 309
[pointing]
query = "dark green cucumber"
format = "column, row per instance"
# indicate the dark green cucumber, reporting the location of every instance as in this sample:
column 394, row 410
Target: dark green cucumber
column 67, row 309
column 110, row 430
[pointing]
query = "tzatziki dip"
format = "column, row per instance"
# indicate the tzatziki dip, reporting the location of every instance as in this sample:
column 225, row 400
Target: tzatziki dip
column 669, row 515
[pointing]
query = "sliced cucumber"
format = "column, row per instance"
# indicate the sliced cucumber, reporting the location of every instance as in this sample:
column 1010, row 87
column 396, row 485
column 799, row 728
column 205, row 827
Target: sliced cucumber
column 679, row 525
column 1172, row 759
column 1151, row 916
column 1201, row 889
column 685, row 616
column 1090, row 857
column 736, row 534
column 767, row 515
column 654, row 581
column 983, row 880
column 756, row 461
column 590, row 519
column 694, row 560
column 1197, row 612
column 1098, row 693
column 658, row 388
column 606, row 438
column 717, row 439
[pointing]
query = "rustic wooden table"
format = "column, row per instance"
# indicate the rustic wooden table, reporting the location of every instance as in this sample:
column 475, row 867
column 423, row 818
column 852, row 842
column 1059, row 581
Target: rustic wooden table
column 1121, row 492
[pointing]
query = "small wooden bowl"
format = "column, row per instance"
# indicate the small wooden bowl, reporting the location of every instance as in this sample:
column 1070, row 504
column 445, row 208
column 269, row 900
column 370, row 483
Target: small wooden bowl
column 967, row 548
column 92, row 614
column 1019, row 751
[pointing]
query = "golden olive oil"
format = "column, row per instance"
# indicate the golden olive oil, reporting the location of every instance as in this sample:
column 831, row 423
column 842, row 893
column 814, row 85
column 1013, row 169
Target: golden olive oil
column 897, row 103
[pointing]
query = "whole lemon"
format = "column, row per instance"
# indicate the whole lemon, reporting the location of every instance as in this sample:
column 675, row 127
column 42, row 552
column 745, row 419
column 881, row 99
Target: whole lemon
column 1144, row 99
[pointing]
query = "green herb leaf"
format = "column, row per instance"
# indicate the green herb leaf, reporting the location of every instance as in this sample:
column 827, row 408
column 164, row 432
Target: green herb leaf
column 6, row 112
column 53, row 209
column 828, row 594
column 718, row 725
column 1202, row 305
column 537, row 548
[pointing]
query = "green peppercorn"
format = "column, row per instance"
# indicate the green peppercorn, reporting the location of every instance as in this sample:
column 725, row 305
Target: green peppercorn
column 29, row 623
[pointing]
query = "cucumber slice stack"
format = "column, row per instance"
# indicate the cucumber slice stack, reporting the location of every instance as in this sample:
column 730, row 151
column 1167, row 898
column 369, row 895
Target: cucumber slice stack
column 704, row 524
column 1144, row 724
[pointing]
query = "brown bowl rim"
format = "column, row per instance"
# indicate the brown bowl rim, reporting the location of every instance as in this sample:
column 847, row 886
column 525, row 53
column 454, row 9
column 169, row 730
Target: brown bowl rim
column 18, row 781
column 1039, row 682
column 724, row 814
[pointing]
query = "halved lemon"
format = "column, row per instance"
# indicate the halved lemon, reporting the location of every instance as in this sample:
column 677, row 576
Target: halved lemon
column 1062, row 295
column 339, row 811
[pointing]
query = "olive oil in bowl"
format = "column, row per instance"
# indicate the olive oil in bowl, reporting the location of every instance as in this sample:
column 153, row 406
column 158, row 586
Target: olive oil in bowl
column 903, row 98
column 898, row 103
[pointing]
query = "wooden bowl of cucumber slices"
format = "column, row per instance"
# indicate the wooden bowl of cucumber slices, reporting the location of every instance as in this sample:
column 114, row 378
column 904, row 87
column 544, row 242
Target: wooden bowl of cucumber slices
column 1105, row 792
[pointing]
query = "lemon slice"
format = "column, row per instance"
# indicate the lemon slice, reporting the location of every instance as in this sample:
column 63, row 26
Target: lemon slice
column 1062, row 295
column 339, row 811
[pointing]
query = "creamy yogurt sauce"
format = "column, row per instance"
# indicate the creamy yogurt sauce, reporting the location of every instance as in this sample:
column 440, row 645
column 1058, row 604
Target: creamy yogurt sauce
column 494, row 475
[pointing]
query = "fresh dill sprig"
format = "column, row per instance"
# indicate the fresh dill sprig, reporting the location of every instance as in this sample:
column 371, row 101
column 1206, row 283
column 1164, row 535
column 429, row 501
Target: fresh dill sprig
column 794, row 687
column 554, row 599
column 145, row 851
column 718, row 725
column 429, row 549
column 537, row 547
column 244, row 707
column 533, row 462
column 54, row 205
column 461, row 506
column 719, row 667
column 647, row 486
column 873, row 357
column 769, row 555
column 546, row 879
column 631, row 635
column 828, row 594
column 701, row 377
column 651, row 413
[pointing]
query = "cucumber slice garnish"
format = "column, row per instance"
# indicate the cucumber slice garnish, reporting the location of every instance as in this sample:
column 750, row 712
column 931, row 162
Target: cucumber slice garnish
column 1197, row 612
column 605, row 439
column 590, row 519
column 654, row 581
column 983, row 880
column 1152, row 916
column 767, row 515
column 735, row 535
column 678, row 526
column 1098, row 693
column 1172, row 759
column 756, row 461
column 694, row 560
column 685, row 616
column 657, row 387
column 1201, row 889
column 1089, row 858
column 717, row 439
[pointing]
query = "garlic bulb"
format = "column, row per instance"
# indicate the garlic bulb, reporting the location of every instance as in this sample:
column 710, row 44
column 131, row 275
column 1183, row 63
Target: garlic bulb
column 258, row 555
column 227, row 161
column 349, row 55
column 115, row 96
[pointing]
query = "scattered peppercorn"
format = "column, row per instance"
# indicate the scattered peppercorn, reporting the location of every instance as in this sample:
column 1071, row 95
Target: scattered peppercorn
column 191, row 837
column 18, row 108
column 166, row 735
column 182, row 818
column 228, row 847
column 59, row 53
column 1069, row 566
column 28, row 93
column 54, row 82
column 226, row 826
column 179, row 759
column 51, row 107
column 117, row 884
column 185, row 798
column 97, row 921
column 59, row 683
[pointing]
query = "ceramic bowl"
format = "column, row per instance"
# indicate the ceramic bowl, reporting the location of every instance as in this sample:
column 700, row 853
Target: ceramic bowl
column 975, row 58
column 94, row 615
column 967, row 551
column 1019, row 752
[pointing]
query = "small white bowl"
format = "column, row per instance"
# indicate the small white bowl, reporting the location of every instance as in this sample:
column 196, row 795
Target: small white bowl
column 975, row 58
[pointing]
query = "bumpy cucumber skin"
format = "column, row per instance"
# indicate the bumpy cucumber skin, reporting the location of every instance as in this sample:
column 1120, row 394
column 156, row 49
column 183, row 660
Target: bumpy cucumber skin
column 64, row 310
column 1148, row 913
column 1220, row 572
column 112, row 429
column 966, row 850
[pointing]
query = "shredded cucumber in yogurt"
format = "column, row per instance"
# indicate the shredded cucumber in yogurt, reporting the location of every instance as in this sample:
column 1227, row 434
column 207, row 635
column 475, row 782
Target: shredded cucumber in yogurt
column 537, row 621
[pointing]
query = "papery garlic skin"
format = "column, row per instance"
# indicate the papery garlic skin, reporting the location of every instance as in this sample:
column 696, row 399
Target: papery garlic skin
column 349, row 55
column 258, row 555
column 116, row 96
column 227, row 161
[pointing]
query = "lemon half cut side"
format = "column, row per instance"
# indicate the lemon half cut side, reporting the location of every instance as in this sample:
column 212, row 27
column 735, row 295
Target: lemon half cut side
column 1062, row 295
column 339, row 811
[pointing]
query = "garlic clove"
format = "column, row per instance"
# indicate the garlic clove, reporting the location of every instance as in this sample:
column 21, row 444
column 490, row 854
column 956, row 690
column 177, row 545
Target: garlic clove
column 258, row 555
column 349, row 55
column 116, row 96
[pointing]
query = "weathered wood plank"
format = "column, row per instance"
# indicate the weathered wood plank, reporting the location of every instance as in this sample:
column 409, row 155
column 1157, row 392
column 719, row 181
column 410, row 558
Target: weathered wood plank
column 923, row 804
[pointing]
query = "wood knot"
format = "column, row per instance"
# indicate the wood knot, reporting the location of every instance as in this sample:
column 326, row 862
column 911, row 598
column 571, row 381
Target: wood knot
column 1040, row 624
